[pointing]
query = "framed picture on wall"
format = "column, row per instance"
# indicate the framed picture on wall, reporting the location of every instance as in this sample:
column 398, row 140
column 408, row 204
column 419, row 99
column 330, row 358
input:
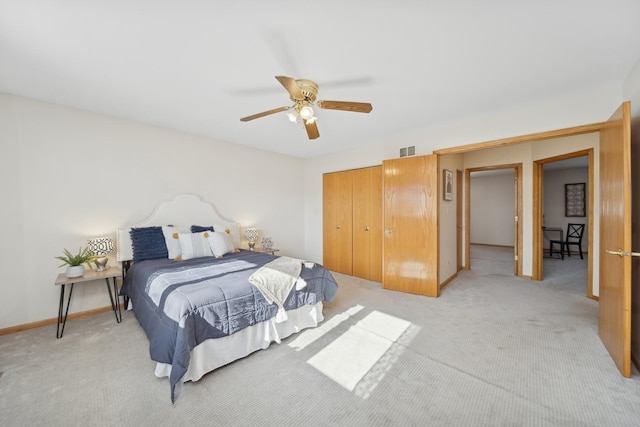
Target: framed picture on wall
column 447, row 184
column 574, row 199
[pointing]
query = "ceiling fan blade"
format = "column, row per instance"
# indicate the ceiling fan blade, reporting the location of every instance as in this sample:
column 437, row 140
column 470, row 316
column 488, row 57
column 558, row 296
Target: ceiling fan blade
column 291, row 86
column 264, row 113
column 312, row 130
column 358, row 107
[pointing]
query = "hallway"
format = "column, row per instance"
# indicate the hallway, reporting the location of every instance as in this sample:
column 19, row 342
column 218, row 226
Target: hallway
column 568, row 275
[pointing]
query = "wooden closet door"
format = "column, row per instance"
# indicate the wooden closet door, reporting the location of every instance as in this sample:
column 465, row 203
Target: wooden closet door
column 367, row 223
column 410, row 221
column 337, row 221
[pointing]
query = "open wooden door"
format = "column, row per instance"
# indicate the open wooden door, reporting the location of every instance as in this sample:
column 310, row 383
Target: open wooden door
column 614, row 326
column 410, row 222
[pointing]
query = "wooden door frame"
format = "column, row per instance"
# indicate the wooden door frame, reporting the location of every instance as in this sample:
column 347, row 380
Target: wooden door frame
column 517, row 238
column 459, row 223
column 538, row 203
column 533, row 137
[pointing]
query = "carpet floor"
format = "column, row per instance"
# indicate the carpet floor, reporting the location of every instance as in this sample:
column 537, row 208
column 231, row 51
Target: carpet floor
column 493, row 350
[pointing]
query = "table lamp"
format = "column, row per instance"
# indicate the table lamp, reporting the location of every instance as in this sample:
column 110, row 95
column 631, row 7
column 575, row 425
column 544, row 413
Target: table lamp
column 100, row 247
column 251, row 234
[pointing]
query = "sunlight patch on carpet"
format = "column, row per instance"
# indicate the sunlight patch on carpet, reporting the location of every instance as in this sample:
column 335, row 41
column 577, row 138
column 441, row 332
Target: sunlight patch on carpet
column 372, row 345
column 311, row 335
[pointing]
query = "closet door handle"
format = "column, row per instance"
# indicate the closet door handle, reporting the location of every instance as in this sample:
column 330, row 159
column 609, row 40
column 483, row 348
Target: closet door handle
column 366, row 228
column 338, row 227
column 387, row 231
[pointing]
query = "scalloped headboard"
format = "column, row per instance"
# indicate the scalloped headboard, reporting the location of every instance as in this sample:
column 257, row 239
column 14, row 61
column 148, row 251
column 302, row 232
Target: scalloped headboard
column 183, row 211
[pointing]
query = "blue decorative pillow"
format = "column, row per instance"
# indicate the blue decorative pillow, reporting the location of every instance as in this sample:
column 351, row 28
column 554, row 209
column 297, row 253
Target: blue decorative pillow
column 148, row 243
column 200, row 228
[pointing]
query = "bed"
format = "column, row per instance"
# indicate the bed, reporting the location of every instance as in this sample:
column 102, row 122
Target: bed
column 204, row 302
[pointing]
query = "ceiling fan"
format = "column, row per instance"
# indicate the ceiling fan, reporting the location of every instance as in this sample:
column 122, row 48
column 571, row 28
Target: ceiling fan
column 303, row 94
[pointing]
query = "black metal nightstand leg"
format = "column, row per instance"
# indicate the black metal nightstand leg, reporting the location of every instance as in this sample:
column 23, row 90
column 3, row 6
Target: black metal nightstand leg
column 115, row 295
column 62, row 320
column 114, row 299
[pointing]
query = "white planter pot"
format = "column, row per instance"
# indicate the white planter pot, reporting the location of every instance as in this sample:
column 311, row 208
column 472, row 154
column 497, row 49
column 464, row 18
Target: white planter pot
column 75, row 271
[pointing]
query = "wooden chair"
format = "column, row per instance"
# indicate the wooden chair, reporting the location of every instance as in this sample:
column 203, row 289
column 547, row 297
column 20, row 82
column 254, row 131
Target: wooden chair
column 574, row 238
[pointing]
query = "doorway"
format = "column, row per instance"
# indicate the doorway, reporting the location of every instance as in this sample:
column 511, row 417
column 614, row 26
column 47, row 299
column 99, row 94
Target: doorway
column 614, row 216
column 552, row 216
column 494, row 207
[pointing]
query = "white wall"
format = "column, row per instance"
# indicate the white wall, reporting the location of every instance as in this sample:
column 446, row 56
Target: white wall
column 493, row 201
column 68, row 174
column 447, row 221
column 554, row 202
column 492, row 213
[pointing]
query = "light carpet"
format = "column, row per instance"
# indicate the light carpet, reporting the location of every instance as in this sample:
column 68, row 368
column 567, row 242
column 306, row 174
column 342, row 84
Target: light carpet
column 493, row 350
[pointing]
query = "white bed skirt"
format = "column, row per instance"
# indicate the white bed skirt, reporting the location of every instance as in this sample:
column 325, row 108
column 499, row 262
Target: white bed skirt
column 214, row 353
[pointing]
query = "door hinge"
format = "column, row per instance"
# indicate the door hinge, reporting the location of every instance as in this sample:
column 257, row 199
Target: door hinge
column 515, row 257
column 516, row 219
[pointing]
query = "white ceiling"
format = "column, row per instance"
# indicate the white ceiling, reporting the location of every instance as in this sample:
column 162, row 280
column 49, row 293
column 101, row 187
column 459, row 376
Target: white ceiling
column 198, row 66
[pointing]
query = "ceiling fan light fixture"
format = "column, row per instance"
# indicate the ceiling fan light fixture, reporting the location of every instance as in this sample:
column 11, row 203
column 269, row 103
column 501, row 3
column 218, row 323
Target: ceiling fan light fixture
column 303, row 94
column 306, row 112
column 293, row 116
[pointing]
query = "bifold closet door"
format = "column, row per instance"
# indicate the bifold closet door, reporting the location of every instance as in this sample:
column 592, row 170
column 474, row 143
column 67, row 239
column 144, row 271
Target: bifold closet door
column 367, row 223
column 410, row 223
column 337, row 221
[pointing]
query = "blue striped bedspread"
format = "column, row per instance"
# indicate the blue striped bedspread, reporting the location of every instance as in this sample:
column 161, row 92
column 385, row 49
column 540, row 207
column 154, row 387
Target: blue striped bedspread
column 180, row 304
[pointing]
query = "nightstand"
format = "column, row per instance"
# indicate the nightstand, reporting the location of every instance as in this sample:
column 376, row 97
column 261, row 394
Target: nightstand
column 113, row 273
column 271, row 251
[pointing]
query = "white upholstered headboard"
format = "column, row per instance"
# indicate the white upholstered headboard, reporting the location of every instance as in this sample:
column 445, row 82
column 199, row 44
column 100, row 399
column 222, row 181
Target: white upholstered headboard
column 183, row 211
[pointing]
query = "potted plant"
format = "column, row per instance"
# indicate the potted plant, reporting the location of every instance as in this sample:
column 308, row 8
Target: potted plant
column 75, row 262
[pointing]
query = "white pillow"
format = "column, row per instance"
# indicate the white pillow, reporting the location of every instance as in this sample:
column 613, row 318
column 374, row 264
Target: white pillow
column 233, row 232
column 195, row 245
column 172, row 241
column 220, row 243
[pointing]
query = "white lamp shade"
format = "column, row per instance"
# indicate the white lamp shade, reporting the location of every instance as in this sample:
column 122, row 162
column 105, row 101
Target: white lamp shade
column 293, row 116
column 251, row 234
column 101, row 245
column 306, row 112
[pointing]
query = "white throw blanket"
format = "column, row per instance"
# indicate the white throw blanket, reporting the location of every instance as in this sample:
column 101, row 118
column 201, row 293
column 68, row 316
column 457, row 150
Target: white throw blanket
column 275, row 281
